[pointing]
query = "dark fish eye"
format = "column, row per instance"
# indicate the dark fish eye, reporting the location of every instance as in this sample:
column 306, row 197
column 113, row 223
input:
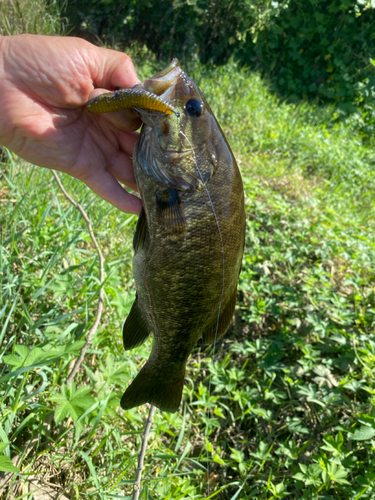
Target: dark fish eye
column 194, row 107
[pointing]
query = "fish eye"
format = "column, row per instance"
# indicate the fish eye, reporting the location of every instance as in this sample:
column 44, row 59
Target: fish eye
column 194, row 107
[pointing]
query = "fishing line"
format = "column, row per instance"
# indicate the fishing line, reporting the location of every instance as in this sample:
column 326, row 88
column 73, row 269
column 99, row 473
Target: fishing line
column 221, row 299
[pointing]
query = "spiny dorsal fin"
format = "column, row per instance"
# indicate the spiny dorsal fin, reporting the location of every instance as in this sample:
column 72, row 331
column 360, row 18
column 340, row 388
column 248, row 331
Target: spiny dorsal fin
column 224, row 321
column 135, row 330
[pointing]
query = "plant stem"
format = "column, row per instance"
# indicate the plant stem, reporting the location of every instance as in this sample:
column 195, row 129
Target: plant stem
column 99, row 309
column 141, row 456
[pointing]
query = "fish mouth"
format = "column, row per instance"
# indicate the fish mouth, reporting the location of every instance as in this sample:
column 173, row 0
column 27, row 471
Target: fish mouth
column 172, row 85
column 161, row 82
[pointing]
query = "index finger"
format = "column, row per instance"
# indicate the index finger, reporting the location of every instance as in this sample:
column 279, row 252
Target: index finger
column 111, row 69
column 107, row 187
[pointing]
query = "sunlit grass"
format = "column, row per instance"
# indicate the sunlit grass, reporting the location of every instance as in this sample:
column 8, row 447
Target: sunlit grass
column 30, row 16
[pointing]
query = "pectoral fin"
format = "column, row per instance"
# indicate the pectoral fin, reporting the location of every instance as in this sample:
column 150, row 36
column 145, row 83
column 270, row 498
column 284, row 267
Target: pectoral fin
column 135, row 330
column 171, row 211
column 140, row 232
column 225, row 318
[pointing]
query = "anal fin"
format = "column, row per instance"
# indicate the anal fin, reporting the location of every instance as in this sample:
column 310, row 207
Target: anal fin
column 135, row 330
column 226, row 315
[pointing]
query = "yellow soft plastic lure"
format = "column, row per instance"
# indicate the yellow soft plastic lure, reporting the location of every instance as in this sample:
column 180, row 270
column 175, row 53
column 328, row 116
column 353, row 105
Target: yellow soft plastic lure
column 129, row 98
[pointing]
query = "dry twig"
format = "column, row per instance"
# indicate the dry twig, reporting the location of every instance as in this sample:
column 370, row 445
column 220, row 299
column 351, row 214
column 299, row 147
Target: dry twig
column 141, row 456
column 99, row 309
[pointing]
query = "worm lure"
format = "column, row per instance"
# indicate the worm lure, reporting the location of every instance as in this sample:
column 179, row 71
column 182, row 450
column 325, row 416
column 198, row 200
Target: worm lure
column 129, row 98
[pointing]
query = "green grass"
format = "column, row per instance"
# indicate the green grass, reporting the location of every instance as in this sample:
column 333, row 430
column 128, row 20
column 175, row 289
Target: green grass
column 293, row 380
column 31, row 16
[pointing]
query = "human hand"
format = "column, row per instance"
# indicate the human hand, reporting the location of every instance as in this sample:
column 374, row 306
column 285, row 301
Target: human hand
column 45, row 83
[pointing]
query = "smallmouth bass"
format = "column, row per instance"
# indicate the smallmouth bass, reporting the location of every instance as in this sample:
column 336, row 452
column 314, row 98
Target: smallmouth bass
column 189, row 239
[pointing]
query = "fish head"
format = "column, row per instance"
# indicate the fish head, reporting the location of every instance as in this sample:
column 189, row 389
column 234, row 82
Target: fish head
column 182, row 149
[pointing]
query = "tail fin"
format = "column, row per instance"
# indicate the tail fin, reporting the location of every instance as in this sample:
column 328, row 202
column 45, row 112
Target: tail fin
column 155, row 388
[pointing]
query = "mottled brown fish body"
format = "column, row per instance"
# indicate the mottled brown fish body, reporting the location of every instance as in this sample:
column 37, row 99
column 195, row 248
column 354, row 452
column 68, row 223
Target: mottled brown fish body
column 193, row 210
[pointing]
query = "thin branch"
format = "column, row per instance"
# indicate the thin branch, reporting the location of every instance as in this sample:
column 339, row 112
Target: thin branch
column 141, row 456
column 99, row 309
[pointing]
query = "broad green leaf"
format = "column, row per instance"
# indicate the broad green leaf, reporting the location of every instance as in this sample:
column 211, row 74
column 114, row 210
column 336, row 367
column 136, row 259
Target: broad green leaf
column 299, row 476
column 266, row 414
column 280, row 488
column 72, row 402
column 295, row 425
column 62, row 411
column 219, row 412
column 6, row 465
column 363, row 433
column 218, row 459
column 3, row 446
column 309, row 475
column 57, row 398
column 337, row 473
column 237, row 455
column 303, row 468
column 22, row 350
column 262, row 453
column 74, row 347
column 81, row 392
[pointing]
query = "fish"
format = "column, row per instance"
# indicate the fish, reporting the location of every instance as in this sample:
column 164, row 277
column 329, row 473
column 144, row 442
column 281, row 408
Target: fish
column 189, row 239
